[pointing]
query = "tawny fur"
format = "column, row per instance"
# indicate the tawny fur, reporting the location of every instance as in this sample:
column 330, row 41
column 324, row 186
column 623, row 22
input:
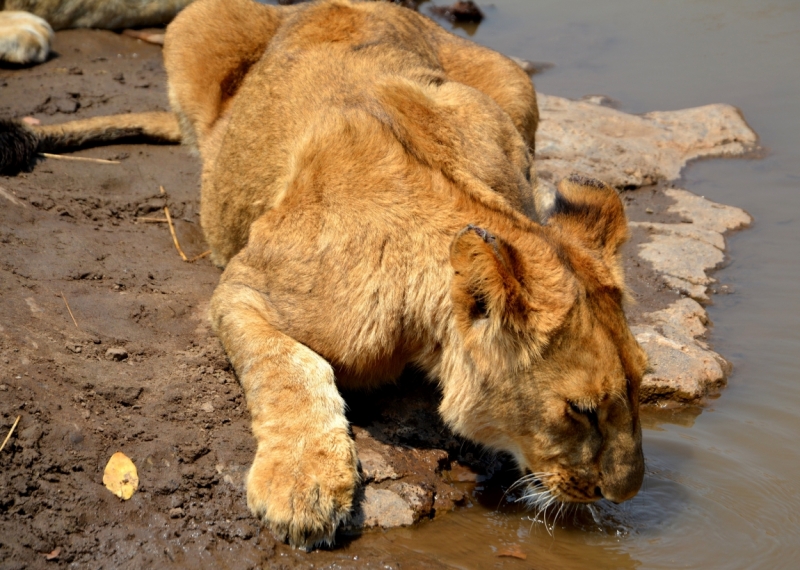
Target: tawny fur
column 104, row 14
column 24, row 37
column 26, row 26
column 367, row 184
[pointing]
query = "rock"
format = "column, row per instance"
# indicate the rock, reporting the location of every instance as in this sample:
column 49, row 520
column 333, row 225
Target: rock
column 207, row 407
column 176, row 513
column 683, row 253
column 67, row 106
column 532, row 67
column 117, row 354
column 419, row 498
column 382, row 508
column 462, row 473
column 705, row 213
column 683, row 368
column 630, row 150
column 374, row 466
column 460, row 11
column 121, row 394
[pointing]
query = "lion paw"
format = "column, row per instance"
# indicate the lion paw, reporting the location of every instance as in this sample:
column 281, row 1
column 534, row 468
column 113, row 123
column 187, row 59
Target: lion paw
column 304, row 492
column 24, row 38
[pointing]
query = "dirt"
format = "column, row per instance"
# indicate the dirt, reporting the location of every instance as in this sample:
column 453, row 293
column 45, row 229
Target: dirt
column 105, row 347
column 459, row 12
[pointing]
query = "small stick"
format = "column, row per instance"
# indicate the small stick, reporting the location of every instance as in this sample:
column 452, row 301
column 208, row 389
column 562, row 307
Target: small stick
column 172, row 230
column 150, row 37
column 152, row 220
column 70, row 310
column 201, row 256
column 5, row 441
column 79, row 158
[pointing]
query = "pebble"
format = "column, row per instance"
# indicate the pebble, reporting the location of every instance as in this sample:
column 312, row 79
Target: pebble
column 117, row 354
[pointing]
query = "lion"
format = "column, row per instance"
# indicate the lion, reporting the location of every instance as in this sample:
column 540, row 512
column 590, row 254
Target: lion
column 368, row 186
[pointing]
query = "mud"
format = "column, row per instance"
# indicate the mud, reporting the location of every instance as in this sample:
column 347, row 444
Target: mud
column 105, row 347
column 459, row 12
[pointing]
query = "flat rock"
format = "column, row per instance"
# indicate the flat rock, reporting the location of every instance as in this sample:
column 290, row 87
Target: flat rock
column 684, row 253
column 681, row 255
column 117, row 354
column 375, row 468
column 627, row 150
column 706, row 214
column 683, row 368
column 382, row 508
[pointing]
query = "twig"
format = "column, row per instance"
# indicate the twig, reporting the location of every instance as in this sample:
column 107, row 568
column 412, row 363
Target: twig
column 5, row 441
column 70, row 310
column 201, row 256
column 150, row 37
column 152, row 220
column 8, row 196
column 172, row 229
column 79, row 158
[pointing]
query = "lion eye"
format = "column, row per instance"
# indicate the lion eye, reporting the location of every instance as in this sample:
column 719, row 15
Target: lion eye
column 588, row 413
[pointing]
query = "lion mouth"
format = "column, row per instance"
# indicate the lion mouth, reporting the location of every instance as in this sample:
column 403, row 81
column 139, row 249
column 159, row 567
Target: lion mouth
column 544, row 489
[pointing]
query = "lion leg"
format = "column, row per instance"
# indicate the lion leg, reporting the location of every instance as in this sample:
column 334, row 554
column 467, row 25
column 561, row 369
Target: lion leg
column 24, row 38
column 304, row 473
column 104, row 14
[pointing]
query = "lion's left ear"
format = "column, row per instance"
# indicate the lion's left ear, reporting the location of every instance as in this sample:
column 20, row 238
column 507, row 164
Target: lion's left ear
column 592, row 212
column 500, row 301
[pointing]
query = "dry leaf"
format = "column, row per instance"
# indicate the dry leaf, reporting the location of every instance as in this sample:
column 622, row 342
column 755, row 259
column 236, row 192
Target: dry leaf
column 53, row 555
column 120, row 476
column 513, row 551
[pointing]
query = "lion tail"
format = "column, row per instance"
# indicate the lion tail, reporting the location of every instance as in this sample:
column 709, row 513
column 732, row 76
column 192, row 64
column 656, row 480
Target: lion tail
column 20, row 143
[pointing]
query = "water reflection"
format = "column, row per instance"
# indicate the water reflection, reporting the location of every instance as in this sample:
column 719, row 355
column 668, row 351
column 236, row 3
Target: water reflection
column 654, row 417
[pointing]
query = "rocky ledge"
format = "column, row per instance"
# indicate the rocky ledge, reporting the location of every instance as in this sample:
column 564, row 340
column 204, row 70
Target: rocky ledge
column 631, row 151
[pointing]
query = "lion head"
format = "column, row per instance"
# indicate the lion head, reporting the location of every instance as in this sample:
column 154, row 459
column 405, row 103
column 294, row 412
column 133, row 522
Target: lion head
column 549, row 370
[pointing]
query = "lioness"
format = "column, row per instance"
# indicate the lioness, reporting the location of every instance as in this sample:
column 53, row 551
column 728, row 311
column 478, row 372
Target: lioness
column 368, row 186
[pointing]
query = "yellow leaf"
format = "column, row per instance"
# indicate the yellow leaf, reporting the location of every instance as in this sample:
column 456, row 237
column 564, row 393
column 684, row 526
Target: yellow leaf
column 120, row 476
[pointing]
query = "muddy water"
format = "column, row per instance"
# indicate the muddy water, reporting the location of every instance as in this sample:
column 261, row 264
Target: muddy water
column 722, row 488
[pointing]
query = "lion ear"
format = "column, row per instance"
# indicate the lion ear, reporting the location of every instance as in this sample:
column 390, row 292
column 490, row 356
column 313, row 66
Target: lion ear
column 592, row 212
column 499, row 299
column 485, row 284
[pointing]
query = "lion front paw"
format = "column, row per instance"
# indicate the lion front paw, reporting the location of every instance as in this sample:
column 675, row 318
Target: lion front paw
column 304, row 491
column 24, row 38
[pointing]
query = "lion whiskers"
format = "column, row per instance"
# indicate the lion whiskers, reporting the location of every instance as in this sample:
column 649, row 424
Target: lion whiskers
column 539, row 498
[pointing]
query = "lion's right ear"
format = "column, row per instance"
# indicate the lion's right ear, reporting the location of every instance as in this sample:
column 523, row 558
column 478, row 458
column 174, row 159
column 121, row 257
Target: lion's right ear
column 592, row 212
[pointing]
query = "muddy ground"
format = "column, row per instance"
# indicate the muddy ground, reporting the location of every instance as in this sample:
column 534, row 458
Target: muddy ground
column 138, row 369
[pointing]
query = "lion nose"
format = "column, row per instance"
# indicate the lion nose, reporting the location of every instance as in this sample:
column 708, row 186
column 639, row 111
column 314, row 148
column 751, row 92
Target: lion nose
column 619, row 495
